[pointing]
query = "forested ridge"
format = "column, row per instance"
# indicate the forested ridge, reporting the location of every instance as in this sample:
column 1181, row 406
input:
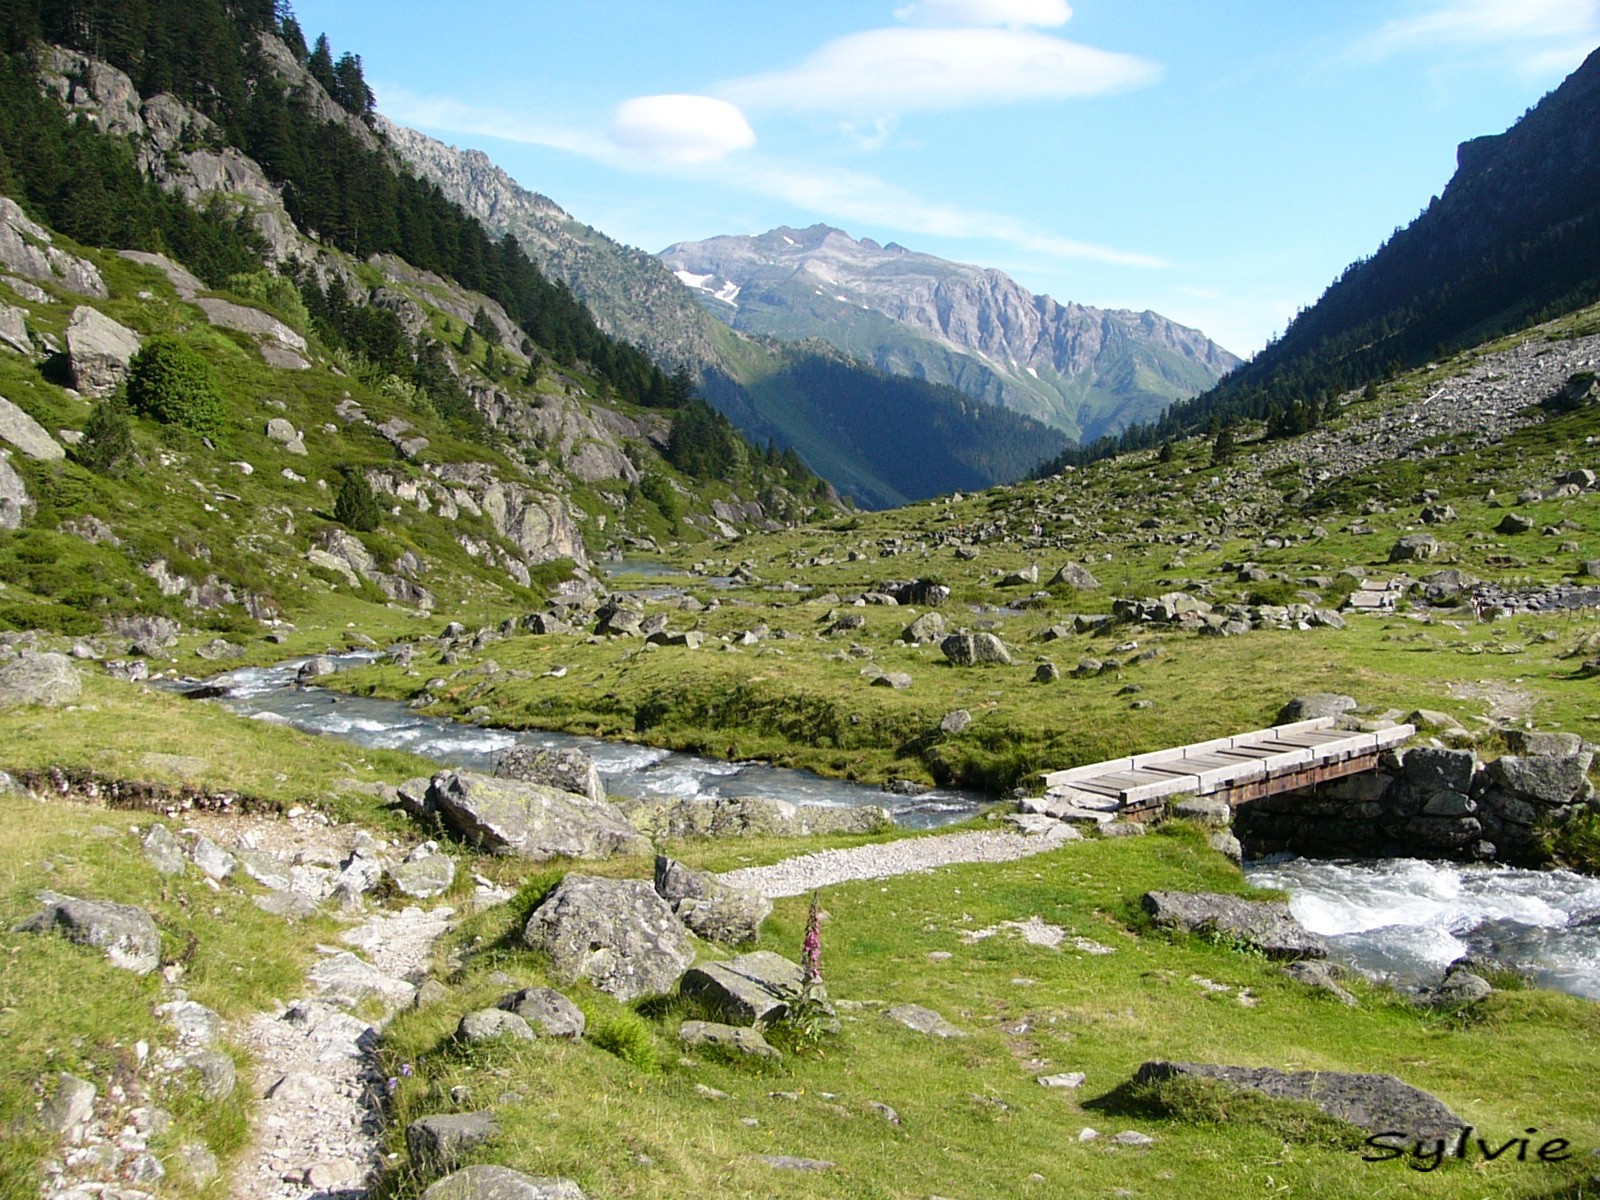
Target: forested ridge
column 352, row 196
column 1514, row 240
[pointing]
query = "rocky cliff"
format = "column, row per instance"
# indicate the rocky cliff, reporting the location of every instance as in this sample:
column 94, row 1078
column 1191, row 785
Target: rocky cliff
column 1088, row 371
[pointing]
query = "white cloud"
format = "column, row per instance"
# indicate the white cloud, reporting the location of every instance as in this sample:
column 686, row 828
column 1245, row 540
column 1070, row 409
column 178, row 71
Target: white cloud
column 883, row 72
column 1534, row 34
column 681, row 128
column 1044, row 13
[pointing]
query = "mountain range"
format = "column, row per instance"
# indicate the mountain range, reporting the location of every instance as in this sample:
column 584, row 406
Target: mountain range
column 1086, row 371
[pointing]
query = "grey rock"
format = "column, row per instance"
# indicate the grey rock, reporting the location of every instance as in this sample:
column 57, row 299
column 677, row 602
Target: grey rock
column 969, row 649
column 501, row 1183
column 128, row 935
column 898, row 680
column 1206, row 811
column 789, row 1162
column 69, row 1106
column 194, row 1023
column 15, row 502
column 218, row 1075
column 1415, row 547
column 1070, row 1080
column 266, row 869
column 1263, row 924
column 736, row 1038
column 431, row 992
column 1461, row 986
column 1075, row 575
column 186, row 285
column 163, row 851
column 1314, row 705
column 348, row 980
column 31, row 677
column 14, row 329
column 422, row 878
column 1321, row 975
column 99, row 351
column 226, row 315
column 929, row 627
column 1225, row 844
column 1132, row 1137
column 1527, row 741
column 492, row 1024
column 438, row 1143
column 616, row 933
column 922, row 1020
column 954, row 722
column 213, row 859
column 547, row 1012
column 752, row 816
column 196, row 1163
column 1514, row 523
column 751, row 987
column 1428, row 769
column 527, row 820
column 568, row 770
column 710, row 908
column 1550, row 780
column 1375, row 1103
column 27, row 435
column 1047, row 672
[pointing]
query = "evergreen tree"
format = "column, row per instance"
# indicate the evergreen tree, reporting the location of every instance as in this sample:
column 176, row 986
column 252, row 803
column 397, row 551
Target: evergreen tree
column 466, row 340
column 356, row 507
column 1165, row 456
column 485, row 327
column 169, row 381
column 1222, row 448
column 107, row 437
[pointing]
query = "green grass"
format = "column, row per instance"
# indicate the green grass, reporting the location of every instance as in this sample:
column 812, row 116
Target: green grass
column 973, row 1121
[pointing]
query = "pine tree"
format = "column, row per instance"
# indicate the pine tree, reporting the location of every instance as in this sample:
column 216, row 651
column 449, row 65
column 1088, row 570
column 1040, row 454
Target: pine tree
column 1165, row 455
column 1222, row 448
column 356, row 507
column 107, row 437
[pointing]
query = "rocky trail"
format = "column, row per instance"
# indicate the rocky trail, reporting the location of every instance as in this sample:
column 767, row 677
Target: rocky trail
column 320, row 1126
column 806, row 872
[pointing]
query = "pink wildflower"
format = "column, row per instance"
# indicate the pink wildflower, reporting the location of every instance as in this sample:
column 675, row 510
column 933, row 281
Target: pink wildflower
column 811, row 955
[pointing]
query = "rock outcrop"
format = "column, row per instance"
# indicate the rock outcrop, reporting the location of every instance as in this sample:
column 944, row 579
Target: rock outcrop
column 34, row 677
column 525, row 820
column 126, row 934
column 27, row 435
column 1263, row 925
column 750, row 816
column 710, row 908
column 616, row 933
column 98, row 351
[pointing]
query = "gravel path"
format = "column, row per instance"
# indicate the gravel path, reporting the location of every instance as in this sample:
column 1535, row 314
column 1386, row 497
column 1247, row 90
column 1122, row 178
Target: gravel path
column 796, row 876
column 320, row 1127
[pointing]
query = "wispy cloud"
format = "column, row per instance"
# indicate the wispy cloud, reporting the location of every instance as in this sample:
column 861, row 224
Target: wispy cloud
column 1043, row 13
column 885, row 72
column 832, row 193
column 1537, row 36
column 681, row 128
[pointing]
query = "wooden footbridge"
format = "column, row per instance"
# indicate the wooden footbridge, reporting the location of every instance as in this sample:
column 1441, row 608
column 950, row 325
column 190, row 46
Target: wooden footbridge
column 1236, row 770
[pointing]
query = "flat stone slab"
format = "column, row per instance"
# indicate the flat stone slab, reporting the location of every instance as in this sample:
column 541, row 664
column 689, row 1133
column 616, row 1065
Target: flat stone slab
column 1375, row 1103
column 752, row 987
column 440, row 1141
column 501, row 1183
column 126, row 934
column 1265, row 925
column 547, row 1012
column 922, row 1020
column 738, row 1038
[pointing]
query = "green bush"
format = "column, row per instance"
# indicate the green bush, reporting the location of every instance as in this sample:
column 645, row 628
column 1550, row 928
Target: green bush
column 628, row 1036
column 1576, row 844
column 356, row 507
column 655, row 488
column 50, row 618
column 107, row 437
column 169, row 381
column 277, row 293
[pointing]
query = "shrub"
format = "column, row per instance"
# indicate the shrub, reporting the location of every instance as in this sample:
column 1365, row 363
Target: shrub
column 277, row 293
column 107, row 437
column 169, row 381
column 627, row 1035
column 356, row 507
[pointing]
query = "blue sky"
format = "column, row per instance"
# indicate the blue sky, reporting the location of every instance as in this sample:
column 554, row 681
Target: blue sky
column 1219, row 163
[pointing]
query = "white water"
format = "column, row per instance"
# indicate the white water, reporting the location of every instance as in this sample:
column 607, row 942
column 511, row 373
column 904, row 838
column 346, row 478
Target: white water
column 641, row 772
column 1405, row 919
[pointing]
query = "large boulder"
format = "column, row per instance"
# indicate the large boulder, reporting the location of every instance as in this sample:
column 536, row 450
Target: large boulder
column 526, row 820
column 14, row 329
column 258, row 324
column 128, row 935
column 1550, row 780
column 98, row 351
column 1415, row 547
column 567, row 770
column 969, row 649
column 616, row 933
column 709, row 907
column 1075, row 575
column 752, row 987
column 752, row 816
column 737, row 1039
column 1264, row 925
column 27, row 435
column 441, row 1141
column 31, row 677
column 1376, row 1103
column 929, row 627
column 14, row 499
column 501, row 1183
